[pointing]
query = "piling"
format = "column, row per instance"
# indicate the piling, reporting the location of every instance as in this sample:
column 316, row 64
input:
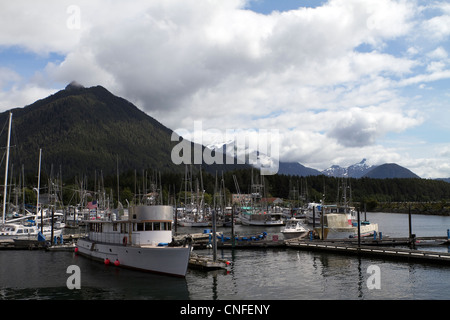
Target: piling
column 409, row 221
column 314, row 217
column 214, row 235
column 232, row 225
column 359, row 229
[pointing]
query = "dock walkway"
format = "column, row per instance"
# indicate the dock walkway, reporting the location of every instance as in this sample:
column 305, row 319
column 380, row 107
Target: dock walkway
column 206, row 263
column 378, row 251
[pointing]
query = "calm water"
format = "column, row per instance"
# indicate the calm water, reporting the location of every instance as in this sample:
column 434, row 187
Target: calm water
column 263, row 274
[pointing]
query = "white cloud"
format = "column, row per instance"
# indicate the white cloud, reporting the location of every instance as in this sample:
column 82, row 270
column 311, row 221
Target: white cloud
column 300, row 71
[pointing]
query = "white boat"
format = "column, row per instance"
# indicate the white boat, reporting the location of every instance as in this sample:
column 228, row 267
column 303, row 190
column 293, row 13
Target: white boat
column 366, row 228
column 261, row 218
column 294, row 229
column 337, row 226
column 313, row 213
column 190, row 221
column 142, row 242
column 27, row 231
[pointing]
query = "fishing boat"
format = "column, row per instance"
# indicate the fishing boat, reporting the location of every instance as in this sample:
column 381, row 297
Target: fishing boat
column 143, row 241
column 261, row 218
column 337, row 226
column 294, row 229
column 313, row 213
column 258, row 213
column 194, row 219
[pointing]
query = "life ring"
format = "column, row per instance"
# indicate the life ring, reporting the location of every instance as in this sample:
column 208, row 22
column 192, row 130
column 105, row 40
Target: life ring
column 124, row 241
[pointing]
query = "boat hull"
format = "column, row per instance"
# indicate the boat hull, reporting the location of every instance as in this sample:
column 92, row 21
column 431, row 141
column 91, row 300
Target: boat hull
column 347, row 232
column 156, row 259
column 294, row 234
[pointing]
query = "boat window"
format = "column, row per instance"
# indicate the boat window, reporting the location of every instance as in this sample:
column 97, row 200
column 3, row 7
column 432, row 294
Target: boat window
column 148, row 226
column 140, row 226
column 114, row 226
column 97, row 227
column 156, row 226
column 20, row 231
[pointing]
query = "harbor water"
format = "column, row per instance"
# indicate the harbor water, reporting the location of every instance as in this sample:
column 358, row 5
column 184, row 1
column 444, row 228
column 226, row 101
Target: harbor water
column 254, row 274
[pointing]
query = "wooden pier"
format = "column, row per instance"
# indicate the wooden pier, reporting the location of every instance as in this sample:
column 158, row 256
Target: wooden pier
column 376, row 251
column 207, row 263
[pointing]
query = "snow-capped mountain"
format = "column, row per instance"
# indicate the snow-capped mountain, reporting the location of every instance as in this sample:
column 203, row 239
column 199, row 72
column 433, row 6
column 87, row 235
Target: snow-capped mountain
column 356, row 170
column 244, row 154
column 335, row 171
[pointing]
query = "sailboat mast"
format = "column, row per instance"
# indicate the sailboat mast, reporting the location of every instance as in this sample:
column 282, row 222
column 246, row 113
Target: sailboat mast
column 37, row 191
column 6, row 168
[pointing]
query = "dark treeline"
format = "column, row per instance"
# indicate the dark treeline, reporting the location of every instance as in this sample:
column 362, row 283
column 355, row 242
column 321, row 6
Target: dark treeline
column 368, row 191
column 313, row 188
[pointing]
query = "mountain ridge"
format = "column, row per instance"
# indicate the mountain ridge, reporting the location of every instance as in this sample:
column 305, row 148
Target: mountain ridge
column 357, row 170
column 390, row 170
column 84, row 130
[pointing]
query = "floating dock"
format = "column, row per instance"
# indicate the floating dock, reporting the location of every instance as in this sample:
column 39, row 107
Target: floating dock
column 206, row 263
column 352, row 248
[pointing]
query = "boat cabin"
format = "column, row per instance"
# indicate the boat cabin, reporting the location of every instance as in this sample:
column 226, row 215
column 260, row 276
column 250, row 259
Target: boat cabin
column 146, row 225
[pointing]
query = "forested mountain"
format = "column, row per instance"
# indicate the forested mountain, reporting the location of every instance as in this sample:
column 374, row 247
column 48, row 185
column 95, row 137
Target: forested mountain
column 390, row 170
column 83, row 130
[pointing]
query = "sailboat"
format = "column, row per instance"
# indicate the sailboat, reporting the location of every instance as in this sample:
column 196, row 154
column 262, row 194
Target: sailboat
column 29, row 227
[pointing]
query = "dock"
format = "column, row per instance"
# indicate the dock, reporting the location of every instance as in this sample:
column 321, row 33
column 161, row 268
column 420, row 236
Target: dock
column 68, row 244
column 242, row 242
column 375, row 251
column 207, row 263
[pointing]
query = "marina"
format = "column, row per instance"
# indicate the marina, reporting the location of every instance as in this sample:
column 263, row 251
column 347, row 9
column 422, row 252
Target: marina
column 257, row 269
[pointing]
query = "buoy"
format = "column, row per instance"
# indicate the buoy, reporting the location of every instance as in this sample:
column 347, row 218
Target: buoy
column 228, row 262
column 76, row 249
column 116, row 263
column 106, row 261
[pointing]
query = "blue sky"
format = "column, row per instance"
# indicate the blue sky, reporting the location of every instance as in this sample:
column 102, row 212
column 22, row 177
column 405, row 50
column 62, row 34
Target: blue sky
column 268, row 6
column 341, row 80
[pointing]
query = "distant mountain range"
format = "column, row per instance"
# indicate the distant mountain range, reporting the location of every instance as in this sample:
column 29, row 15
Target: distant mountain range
column 357, row 170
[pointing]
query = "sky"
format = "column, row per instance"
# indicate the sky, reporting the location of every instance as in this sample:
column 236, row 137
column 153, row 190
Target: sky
column 339, row 80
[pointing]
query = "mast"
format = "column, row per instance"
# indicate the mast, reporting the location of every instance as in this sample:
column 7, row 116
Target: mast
column 38, row 187
column 6, row 168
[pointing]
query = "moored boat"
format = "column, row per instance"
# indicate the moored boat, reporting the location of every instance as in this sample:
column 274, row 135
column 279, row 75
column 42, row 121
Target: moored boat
column 27, row 231
column 142, row 242
column 337, row 226
column 262, row 218
column 294, row 229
